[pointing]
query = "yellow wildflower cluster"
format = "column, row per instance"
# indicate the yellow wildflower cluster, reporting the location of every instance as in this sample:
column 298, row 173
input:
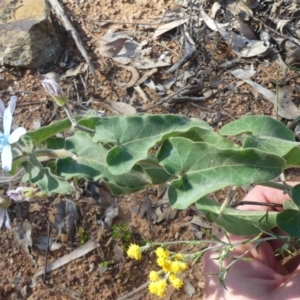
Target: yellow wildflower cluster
column 134, row 251
column 171, row 265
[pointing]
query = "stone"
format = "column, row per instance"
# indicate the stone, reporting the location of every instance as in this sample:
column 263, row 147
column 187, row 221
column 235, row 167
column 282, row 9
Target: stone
column 27, row 35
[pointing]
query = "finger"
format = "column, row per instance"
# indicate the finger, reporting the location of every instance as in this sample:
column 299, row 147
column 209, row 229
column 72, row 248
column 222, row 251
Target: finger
column 251, row 278
column 265, row 194
column 246, row 279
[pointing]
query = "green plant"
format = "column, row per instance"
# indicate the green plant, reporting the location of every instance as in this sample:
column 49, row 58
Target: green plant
column 104, row 263
column 122, row 232
column 131, row 153
column 83, row 236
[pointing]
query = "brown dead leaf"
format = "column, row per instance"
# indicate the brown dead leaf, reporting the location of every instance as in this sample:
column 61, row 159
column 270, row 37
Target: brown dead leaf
column 109, row 47
column 120, row 108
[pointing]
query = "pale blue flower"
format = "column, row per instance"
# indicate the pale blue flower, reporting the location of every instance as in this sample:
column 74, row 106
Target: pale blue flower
column 7, row 138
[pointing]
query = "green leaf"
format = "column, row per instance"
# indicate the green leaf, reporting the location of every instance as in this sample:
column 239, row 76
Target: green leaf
column 293, row 158
column 55, row 143
column 45, row 132
column 270, row 144
column 264, row 133
column 258, row 126
column 289, row 204
column 202, row 168
column 89, row 162
column 289, row 222
column 237, row 222
column 296, row 194
column 157, row 174
column 134, row 136
column 209, row 137
column 37, row 174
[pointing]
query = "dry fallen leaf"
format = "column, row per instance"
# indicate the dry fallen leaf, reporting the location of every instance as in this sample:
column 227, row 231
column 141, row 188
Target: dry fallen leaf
column 146, row 209
column 242, row 46
column 188, row 288
column 168, row 26
column 211, row 23
column 121, row 108
column 112, row 43
column 189, row 49
column 286, row 107
column 110, row 214
column 214, row 9
column 243, row 28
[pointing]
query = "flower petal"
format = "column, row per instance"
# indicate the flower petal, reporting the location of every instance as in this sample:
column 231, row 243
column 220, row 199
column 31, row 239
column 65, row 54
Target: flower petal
column 3, row 141
column 7, row 119
column 7, row 222
column 12, row 103
column 15, row 195
column 6, row 158
column 2, row 214
column 52, row 87
column 2, row 108
column 16, row 134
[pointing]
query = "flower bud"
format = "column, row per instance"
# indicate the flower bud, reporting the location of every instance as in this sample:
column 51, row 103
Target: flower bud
column 26, row 194
column 54, row 90
column 4, row 202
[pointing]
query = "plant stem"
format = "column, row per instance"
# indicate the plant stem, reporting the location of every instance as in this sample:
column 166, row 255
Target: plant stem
column 74, row 122
column 47, row 154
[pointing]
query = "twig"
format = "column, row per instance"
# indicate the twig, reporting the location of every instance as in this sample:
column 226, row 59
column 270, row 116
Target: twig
column 141, row 93
column 74, row 122
column 25, row 92
column 166, row 47
column 256, row 203
column 134, row 78
column 79, row 252
column 166, row 98
column 146, row 76
column 47, row 251
column 69, row 27
column 140, row 288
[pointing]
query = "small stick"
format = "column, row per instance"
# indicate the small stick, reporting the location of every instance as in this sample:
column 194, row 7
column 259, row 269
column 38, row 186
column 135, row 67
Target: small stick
column 141, row 93
column 69, row 27
column 256, row 203
column 25, row 92
column 140, row 288
column 47, row 251
column 165, row 99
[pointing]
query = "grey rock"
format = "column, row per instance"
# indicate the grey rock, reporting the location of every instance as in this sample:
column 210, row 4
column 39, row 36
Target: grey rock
column 27, row 35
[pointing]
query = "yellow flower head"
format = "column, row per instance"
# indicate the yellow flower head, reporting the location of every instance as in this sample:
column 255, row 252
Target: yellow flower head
column 178, row 256
column 134, row 251
column 154, row 276
column 178, row 266
column 165, row 264
column 161, row 252
column 158, row 288
column 175, row 281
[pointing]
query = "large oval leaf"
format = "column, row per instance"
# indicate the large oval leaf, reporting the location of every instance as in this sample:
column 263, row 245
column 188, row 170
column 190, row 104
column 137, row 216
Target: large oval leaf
column 237, row 222
column 202, row 168
column 89, row 162
column 265, row 133
column 296, row 194
column 289, row 222
column 258, row 126
column 134, row 136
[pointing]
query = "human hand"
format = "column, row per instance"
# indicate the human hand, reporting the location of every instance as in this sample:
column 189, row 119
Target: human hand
column 262, row 277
